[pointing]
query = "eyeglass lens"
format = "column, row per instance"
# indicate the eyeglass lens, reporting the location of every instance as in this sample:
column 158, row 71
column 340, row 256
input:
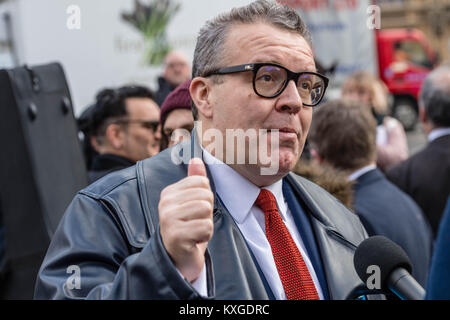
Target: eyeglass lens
column 270, row 80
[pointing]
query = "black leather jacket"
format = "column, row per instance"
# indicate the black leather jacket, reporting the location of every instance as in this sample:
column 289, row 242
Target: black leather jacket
column 110, row 232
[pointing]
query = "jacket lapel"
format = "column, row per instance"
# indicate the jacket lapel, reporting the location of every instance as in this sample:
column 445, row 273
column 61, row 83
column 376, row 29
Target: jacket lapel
column 307, row 234
column 335, row 248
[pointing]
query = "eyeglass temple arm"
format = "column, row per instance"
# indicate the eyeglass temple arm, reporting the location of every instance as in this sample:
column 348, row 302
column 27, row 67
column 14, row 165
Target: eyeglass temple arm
column 234, row 69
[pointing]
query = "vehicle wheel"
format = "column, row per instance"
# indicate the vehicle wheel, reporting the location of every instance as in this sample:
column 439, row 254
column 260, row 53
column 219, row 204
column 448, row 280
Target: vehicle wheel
column 405, row 111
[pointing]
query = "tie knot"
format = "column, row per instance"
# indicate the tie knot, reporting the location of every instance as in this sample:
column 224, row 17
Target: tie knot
column 266, row 201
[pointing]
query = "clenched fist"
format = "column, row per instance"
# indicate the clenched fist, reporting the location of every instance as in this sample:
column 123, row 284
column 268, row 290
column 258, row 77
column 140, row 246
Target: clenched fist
column 186, row 221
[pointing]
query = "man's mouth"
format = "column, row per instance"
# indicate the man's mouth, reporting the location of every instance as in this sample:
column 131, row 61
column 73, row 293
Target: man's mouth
column 285, row 132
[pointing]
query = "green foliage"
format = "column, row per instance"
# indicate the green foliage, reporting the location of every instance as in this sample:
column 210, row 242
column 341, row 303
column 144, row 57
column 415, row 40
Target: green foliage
column 152, row 20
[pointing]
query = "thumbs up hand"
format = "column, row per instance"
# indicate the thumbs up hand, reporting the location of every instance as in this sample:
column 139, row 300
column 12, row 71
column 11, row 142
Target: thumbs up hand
column 186, row 223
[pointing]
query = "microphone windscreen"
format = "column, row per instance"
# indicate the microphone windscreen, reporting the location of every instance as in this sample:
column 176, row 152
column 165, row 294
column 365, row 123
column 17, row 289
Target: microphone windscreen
column 381, row 252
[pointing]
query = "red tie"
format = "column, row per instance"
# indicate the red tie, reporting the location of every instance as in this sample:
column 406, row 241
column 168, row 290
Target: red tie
column 294, row 274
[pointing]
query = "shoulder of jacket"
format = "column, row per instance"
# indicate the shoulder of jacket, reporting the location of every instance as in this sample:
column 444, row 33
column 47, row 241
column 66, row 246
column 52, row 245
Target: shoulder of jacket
column 110, row 183
column 128, row 193
column 127, row 179
column 118, row 194
column 416, row 160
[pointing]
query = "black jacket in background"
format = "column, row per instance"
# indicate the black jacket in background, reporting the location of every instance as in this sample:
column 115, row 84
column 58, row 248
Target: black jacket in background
column 426, row 178
column 387, row 211
column 164, row 89
column 106, row 163
column 2, row 243
column 438, row 287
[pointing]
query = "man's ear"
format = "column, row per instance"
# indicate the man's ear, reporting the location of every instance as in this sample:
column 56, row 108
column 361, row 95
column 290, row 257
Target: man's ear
column 115, row 136
column 200, row 91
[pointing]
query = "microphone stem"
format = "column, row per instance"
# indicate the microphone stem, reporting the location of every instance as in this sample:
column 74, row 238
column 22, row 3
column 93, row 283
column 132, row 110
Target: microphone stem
column 404, row 286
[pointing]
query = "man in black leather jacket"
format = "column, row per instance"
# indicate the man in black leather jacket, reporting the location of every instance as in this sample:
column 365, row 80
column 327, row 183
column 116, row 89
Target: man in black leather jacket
column 172, row 228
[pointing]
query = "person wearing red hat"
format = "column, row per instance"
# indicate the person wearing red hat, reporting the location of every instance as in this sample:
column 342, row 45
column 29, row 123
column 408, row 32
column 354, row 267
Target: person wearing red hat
column 176, row 116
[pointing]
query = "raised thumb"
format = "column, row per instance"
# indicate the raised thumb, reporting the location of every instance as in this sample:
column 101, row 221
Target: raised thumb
column 196, row 167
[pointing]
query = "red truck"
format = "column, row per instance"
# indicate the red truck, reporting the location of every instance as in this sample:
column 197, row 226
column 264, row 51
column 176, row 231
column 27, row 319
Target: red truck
column 347, row 37
column 404, row 59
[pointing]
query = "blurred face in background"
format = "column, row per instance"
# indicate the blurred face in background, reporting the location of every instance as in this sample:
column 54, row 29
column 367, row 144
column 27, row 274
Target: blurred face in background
column 356, row 93
column 364, row 88
column 177, row 68
column 177, row 124
column 141, row 132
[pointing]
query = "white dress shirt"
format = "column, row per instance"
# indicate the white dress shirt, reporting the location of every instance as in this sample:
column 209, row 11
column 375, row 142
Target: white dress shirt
column 239, row 196
column 358, row 173
column 437, row 133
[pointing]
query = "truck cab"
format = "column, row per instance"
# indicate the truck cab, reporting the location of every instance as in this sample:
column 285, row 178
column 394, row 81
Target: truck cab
column 404, row 60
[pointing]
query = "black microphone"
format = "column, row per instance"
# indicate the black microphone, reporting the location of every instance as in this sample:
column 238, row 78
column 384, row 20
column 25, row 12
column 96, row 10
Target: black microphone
column 380, row 253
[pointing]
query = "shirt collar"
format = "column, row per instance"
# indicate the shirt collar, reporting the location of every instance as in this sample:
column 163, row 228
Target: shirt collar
column 358, row 173
column 437, row 133
column 238, row 193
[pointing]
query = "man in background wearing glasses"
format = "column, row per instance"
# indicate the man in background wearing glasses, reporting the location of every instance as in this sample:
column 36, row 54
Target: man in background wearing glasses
column 123, row 128
column 223, row 230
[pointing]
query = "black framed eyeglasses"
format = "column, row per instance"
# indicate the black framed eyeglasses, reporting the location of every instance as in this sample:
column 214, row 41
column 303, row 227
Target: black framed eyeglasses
column 148, row 124
column 270, row 80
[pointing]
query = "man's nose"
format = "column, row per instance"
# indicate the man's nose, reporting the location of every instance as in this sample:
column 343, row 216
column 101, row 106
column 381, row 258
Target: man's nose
column 290, row 100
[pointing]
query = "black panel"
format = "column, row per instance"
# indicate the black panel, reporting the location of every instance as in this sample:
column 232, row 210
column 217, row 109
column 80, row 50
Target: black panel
column 41, row 168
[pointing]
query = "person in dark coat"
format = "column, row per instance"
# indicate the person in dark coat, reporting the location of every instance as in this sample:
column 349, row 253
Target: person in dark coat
column 176, row 71
column 344, row 135
column 425, row 176
column 438, row 287
column 123, row 128
column 2, row 244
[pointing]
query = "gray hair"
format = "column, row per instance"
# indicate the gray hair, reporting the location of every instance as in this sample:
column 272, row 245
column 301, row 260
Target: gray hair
column 210, row 48
column 435, row 96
